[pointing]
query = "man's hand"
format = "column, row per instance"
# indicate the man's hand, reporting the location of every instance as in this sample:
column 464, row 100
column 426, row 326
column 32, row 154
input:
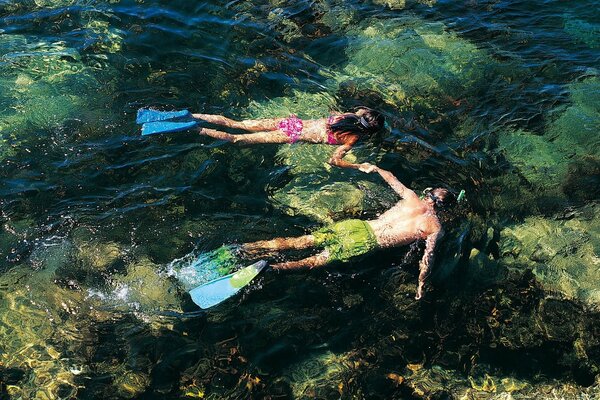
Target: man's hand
column 419, row 294
column 367, row 168
column 427, row 260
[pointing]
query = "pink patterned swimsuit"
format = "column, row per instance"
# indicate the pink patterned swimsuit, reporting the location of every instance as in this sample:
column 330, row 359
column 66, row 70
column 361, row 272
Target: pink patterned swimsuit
column 330, row 136
column 292, row 127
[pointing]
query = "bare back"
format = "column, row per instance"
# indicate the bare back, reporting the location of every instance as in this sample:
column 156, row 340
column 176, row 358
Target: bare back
column 315, row 130
column 409, row 220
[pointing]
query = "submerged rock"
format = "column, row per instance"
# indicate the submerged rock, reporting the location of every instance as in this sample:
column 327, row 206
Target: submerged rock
column 323, row 375
column 104, row 38
column 568, row 152
column 42, row 326
column 48, row 83
column 143, row 288
column 316, row 189
column 564, row 254
column 325, row 193
column 302, row 104
column 583, row 31
column 131, row 384
column 99, row 256
column 286, row 27
column 413, row 63
column 438, row 382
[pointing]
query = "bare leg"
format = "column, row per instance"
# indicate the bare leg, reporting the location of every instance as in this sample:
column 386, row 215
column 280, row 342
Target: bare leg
column 259, row 137
column 310, row 262
column 252, row 125
column 298, row 243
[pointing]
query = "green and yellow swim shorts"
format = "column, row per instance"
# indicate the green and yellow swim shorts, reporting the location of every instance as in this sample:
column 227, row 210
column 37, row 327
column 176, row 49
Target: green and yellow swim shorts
column 346, row 239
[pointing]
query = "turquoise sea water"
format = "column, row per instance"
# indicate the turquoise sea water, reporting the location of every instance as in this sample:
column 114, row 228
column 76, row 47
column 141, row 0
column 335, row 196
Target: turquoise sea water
column 499, row 98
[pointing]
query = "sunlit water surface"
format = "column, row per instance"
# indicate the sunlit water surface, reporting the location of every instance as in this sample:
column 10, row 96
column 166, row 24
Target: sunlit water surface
column 499, row 98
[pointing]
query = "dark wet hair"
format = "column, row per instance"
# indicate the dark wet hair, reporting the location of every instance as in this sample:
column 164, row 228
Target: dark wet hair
column 442, row 198
column 366, row 126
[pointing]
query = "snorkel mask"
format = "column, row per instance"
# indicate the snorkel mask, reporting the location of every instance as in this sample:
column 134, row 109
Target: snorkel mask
column 365, row 124
column 439, row 202
column 427, row 193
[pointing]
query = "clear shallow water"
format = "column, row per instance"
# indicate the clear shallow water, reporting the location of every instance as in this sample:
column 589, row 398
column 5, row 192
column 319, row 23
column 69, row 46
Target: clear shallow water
column 499, row 98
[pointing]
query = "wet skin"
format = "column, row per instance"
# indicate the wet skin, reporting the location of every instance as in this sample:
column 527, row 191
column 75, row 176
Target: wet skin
column 411, row 219
column 267, row 131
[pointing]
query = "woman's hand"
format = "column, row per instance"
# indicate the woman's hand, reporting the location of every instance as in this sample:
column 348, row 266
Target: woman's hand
column 367, row 168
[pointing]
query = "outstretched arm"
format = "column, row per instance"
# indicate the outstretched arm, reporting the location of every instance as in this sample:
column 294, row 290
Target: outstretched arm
column 426, row 261
column 252, row 125
column 337, row 158
column 396, row 185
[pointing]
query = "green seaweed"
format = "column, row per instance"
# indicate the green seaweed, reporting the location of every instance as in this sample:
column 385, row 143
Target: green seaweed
column 47, row 84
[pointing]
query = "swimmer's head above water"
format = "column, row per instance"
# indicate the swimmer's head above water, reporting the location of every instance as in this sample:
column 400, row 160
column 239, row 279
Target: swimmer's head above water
column 364, row 122
column 446, row 205
column 370, row 120
column 442, row 198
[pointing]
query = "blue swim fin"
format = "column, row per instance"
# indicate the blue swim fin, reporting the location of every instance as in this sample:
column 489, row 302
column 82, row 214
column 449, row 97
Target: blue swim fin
column 152, row 128
column 148, row 115
column 197, row 269
column 218, row 290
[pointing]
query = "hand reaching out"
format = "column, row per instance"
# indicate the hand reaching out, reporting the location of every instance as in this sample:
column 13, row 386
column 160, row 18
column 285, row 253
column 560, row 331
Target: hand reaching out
column 419, row 294
column 367, row 168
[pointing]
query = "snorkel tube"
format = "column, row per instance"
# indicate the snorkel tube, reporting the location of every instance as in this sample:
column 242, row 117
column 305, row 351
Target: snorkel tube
column 427, row 192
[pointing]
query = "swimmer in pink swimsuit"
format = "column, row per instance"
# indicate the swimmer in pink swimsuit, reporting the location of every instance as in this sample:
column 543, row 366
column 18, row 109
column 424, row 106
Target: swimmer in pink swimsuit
column 344, row 130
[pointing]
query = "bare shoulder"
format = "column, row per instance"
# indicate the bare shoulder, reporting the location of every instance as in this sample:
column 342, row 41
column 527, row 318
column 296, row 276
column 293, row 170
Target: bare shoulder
column 413, row 200
column 432, row 225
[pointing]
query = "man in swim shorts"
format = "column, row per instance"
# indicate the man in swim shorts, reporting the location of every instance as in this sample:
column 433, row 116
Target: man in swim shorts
column 411, row 219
